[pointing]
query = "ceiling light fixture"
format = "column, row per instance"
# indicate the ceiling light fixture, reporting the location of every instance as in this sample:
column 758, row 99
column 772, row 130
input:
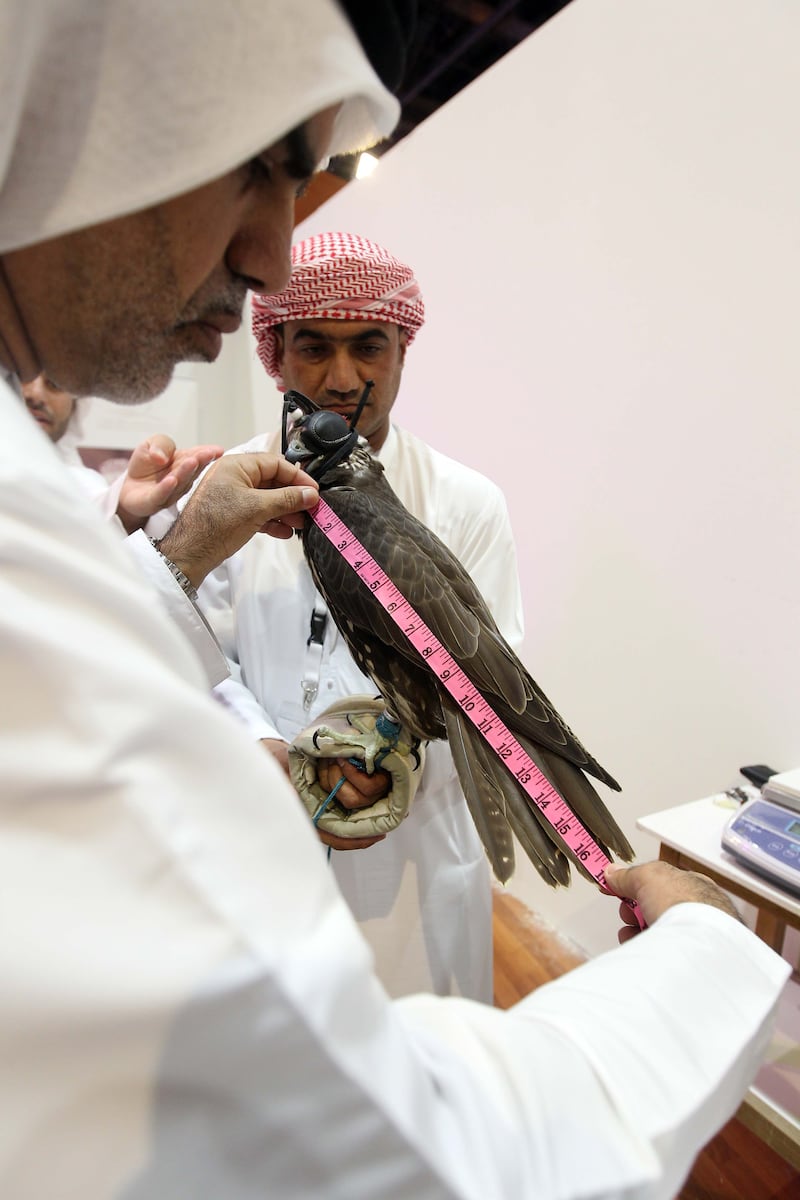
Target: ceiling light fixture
column 366, row 165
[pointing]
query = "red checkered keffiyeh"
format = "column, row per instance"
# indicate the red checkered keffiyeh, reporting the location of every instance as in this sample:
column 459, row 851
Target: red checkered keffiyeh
column 343, row 277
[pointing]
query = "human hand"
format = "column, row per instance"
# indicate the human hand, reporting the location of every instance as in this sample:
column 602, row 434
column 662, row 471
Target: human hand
column 279, row 751
column 157, row 476
column 357, row 794
column 359, row 790
column 657, row 886
column 241, row 495
column 367, row 804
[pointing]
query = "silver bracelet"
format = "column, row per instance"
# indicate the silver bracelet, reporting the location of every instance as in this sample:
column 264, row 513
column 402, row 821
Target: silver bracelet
column 186, row 584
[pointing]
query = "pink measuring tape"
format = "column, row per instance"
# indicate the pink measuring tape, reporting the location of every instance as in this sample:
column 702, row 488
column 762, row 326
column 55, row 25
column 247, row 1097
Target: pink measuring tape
column 551, row 805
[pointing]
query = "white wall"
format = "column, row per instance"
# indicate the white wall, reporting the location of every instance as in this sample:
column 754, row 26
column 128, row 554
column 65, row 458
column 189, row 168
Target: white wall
column 606, row 228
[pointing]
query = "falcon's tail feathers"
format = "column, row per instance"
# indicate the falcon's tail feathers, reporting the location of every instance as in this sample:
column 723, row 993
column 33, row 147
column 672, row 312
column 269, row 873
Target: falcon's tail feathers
column 486, row 807
column 486, row 781
column 582, row 799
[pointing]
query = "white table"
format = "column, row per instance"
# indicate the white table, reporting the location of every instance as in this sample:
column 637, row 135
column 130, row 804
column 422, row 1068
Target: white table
column 690, row 838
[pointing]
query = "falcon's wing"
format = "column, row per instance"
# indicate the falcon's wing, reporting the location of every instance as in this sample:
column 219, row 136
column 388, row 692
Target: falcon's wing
column 374, row 640
column 442, row 592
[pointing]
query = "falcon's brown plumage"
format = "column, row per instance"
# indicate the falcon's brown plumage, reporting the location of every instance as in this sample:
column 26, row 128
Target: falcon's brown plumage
column 441, row 591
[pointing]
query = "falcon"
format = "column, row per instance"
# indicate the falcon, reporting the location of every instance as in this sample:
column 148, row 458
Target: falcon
column 433, row 581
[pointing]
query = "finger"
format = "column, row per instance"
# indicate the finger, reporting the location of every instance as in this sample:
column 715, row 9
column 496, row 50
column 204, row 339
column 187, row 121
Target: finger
column 352, row 799
column 621, row 881
column 355, row 796
column 198, row 457
column 145, row 461
column 361, row 796
column 160, row 448
column 189, row 465
column 206, row 453
column 358, row 789
column 286, row 504
column 144, row 497
column 627, row 883
column 272, row 471
column 160, row 494
column 294, row 520
column 277, row 529
column 177, row 489
column 373, row 786
column 185, row 468
column 188, row 471
column 291, row 522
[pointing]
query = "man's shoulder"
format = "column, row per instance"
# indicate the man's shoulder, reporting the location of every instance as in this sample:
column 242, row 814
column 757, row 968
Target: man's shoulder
column 440, row 467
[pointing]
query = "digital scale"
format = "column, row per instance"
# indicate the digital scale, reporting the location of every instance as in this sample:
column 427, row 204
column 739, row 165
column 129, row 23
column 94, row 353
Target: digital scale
column 764, row 835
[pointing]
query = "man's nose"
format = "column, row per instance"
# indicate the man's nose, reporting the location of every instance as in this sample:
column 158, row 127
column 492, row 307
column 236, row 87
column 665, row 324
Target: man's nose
column 260, row 252
column 342, row 378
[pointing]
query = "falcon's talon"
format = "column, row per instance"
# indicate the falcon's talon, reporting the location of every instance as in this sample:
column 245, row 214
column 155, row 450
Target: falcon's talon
column 371, row 741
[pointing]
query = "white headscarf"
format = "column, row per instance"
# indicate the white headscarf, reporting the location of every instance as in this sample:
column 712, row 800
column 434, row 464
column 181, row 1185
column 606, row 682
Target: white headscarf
column 110, row 106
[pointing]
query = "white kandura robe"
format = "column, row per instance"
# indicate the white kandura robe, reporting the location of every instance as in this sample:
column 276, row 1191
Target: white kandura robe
column 105, row 498
column 188, row 1009
column 422, row 896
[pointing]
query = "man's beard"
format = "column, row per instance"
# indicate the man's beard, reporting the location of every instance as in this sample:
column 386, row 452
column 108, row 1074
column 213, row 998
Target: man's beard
column 137, row 364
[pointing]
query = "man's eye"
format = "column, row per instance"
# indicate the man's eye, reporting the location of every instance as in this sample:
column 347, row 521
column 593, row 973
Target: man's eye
column 370, row 350
column 260, row 170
